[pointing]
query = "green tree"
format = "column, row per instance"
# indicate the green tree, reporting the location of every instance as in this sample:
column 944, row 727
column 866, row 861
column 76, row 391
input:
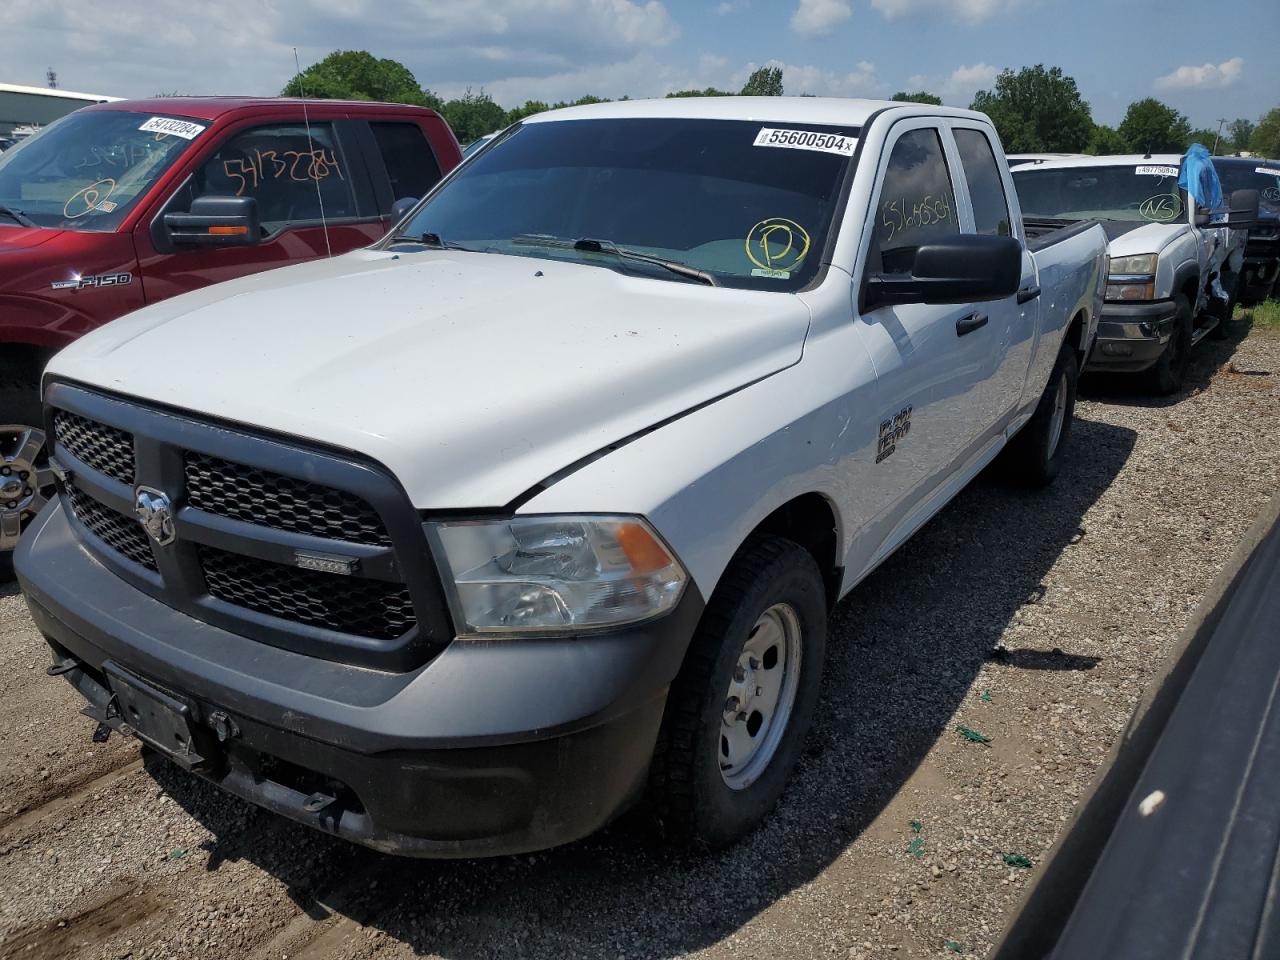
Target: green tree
column 473, row 115
column 1150, row 126
column 1241, row 131
column 359, row 75
column 920, row 96
column 1265, row 139
column 1037, row 111
column 763, row 82
column 708, row 92
column 1208, row 137
column 528, row 110
column 1106, row 141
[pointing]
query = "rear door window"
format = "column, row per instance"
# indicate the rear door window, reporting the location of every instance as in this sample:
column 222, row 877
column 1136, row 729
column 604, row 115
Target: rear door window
column 411, row 164
column 986, row 189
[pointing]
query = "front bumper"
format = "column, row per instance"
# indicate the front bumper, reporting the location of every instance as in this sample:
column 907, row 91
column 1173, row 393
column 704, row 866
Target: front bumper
column 494, row 747
column 1131, row 336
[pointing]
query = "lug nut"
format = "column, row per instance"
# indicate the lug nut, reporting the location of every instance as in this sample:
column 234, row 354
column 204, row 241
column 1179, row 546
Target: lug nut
column 732, row 704
column 23, row 474
column 755, row 664
column 5, row 471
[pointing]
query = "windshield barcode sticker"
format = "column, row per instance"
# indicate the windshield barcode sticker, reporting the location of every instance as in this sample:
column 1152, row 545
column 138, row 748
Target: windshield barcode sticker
column 179, row 128
column 806, row 140
column 1268, row 171
column 1157, row 171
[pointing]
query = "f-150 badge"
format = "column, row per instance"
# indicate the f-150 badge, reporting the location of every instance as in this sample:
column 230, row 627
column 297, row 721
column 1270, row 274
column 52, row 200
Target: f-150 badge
column 891, row 431
column 102, row 280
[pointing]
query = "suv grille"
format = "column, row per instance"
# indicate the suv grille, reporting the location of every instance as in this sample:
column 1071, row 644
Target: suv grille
column 368, row 608
column 269, row 499
column 123, row 534
column 108, row 450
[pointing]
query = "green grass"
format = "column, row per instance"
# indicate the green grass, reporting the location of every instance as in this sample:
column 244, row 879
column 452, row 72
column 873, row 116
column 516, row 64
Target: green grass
column 1263, row 316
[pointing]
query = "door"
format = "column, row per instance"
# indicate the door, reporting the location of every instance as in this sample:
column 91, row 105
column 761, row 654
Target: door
column 314, row 198
column 1013, row 324
column 930, row 359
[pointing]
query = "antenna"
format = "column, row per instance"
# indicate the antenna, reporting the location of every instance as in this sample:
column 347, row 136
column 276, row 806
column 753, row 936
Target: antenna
column 311, row 144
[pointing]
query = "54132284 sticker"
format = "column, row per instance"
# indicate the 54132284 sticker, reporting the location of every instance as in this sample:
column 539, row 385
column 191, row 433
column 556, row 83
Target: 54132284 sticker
column 179, row 128
column 806, row 140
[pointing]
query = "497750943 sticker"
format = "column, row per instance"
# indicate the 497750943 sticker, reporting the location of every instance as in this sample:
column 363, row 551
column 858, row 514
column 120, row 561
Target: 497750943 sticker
column 1156, row 170
column 806, row 140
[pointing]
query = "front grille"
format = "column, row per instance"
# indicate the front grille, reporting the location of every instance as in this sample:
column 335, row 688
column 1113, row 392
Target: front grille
column 123, row 534
column 367, row 608
column 272, row 500
column 106, row 449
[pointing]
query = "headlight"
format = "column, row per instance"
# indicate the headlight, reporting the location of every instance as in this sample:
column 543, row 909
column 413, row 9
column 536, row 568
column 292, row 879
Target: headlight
column 1132, row 278
column 555, row 573
column 1144, row 264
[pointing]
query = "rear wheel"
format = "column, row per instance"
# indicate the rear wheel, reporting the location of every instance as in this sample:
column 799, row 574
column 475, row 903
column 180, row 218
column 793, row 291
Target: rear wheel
column 1171, row 369
column 739, row 710
column 1034, row 455
column 26, row 482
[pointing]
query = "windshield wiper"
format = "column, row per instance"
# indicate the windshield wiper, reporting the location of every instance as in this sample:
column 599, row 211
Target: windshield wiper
column 591, row 245
column 17, row 216
column 433, row 240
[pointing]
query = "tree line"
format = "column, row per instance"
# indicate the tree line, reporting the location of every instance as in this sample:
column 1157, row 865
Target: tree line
column 1035, row 109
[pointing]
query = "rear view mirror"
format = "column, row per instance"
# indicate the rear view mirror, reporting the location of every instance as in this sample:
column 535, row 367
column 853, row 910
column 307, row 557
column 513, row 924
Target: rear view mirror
column 1242, row 210
column 964, row 268
column 400, row 209
column 216, row 221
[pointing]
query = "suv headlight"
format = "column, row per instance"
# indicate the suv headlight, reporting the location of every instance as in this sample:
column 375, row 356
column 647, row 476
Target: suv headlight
column 1132, row 278
column 554, row 574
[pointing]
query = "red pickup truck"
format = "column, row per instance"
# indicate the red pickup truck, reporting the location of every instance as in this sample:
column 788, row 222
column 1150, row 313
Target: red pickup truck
column 123, row 204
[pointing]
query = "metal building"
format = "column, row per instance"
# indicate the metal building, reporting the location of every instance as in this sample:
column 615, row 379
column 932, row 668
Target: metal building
column 33, row 107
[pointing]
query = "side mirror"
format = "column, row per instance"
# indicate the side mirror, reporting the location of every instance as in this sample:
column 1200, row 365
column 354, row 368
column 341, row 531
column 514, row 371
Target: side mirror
column 400, row 209
column 960, row 269
column 216, row 222
column 1242, row 210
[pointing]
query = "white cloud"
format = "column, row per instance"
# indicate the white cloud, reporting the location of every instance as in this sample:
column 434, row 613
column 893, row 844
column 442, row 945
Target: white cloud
column 245, row 46
column 1207, row 76
column 964, row 82
column 861, row 81
column 972, row 11
column 733, row 6
column 817, row 17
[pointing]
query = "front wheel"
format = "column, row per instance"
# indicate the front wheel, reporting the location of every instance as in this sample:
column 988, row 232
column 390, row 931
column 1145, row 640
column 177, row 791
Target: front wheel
column 738, row 711
column 1034, row 456
column 26, row 481
column 1171, row 369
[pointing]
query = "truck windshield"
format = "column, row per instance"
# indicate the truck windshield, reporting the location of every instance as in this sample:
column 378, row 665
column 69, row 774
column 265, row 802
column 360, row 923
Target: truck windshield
column 1140, row 192
column 87, row 170
column 1260, row 175
column 749, row 203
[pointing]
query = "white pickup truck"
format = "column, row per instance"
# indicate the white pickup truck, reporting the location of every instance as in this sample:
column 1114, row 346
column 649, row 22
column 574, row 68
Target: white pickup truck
column 462, row 544
column 1173, row 272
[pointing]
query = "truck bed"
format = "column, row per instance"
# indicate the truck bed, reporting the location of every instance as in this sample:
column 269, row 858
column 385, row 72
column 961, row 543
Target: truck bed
column 1045, row 233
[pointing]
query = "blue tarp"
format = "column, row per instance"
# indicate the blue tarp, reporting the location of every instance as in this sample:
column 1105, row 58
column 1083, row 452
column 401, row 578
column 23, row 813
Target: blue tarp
column 1199, row 178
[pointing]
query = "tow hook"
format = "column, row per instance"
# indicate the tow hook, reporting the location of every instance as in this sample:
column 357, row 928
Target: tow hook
column 102, row 732
column 223, row 726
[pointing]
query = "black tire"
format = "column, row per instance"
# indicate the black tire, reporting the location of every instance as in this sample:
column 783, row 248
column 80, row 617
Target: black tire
column 19, row 404
column 1034, row 456
column 691, row 799
column 1171, row 369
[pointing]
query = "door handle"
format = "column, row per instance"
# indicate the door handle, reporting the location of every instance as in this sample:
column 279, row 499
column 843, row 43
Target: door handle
column 970, row 323
column 1028, row 293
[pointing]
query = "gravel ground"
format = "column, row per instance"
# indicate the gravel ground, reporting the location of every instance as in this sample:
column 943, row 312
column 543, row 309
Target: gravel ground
column 1033, row 619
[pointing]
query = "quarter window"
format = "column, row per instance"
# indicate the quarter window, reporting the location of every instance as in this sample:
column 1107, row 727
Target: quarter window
column 986, row 189
column 290, row 171
column 917, row 203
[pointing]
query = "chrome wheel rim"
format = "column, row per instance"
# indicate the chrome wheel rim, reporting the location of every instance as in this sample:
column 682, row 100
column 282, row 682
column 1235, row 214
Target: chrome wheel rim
column 26, row 481
column 760, row 698
column 1059, row 415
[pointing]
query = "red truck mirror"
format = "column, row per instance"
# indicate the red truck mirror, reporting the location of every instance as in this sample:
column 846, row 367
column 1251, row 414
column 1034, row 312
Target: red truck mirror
column 216, row 221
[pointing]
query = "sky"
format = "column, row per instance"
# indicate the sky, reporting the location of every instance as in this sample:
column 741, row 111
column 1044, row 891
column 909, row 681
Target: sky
column 517, row 50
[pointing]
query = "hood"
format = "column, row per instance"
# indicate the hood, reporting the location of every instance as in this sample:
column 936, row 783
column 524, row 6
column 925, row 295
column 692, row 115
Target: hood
column 472, row 377
column 14, row 236
column 1129, row 237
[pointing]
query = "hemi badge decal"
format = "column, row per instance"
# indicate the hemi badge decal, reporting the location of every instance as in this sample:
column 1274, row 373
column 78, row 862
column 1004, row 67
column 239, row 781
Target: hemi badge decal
column 325, row 563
